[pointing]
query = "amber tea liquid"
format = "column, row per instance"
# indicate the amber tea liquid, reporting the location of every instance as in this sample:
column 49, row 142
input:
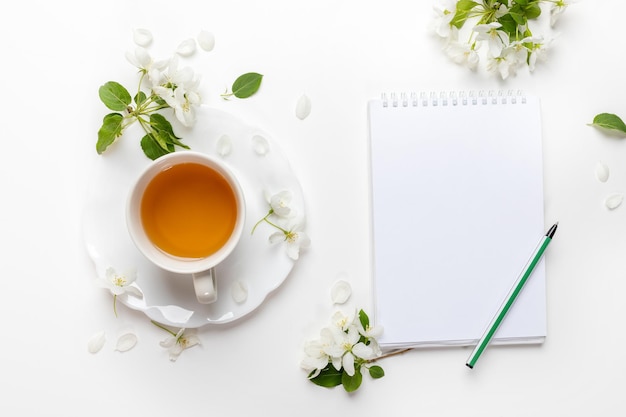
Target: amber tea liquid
column 189, row 210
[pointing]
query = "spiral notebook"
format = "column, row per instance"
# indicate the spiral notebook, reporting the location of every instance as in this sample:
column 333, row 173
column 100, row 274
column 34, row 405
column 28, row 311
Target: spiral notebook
column 457, row 209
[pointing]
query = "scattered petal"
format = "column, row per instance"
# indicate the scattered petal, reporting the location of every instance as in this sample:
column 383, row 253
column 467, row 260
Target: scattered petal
column 614, row 200
column 239, row 291
column 96, row 342
column 602, row 172
column 340, row 292
column 260, row 144
column 224, row 145
column 186, row 47
column 126, row 342
column 206, row 40
column 303, row 107
column 142, row 37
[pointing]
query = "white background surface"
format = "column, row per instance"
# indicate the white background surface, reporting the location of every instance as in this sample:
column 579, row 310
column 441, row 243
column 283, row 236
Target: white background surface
column 55, row 55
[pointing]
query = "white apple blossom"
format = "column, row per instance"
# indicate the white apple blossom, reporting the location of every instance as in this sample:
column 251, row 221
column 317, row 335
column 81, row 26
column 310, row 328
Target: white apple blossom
column 341, row 320
column 176, row 343
column 505, row 64
column 316, row 356
column 463, row 53
column 293, row 240
column 120, row 284
column 538, row 52
column 141, row 59
column 280, row 203
column 557, row 9
column 178, row 88
column 347, row 348
column 496, row 38
column 443, row 16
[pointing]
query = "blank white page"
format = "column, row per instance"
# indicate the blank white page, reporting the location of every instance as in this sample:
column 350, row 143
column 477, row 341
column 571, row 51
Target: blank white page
column 457, row 204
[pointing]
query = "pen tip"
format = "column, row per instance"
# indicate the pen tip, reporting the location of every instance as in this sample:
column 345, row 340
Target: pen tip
column 552, row 230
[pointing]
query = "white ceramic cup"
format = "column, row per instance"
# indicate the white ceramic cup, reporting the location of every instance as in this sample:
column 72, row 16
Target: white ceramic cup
column 201, row 269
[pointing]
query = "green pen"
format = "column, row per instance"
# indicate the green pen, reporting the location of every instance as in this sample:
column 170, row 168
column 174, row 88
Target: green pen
column 510, row 298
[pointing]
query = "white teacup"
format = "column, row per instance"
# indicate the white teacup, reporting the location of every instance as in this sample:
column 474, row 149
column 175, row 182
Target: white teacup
column 186, row 213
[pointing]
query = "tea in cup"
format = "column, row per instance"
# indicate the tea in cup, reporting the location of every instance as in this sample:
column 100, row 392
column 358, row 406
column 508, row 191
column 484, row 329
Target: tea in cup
column 186, row 213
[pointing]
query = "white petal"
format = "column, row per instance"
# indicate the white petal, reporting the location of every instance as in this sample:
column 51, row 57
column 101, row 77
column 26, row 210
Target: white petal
column 126, row 342
column 186, row 47
column 206, row 40
column 175, row 352
column 293, row 251
column 614, row 200
column 348, row 363
column 277, row 237
column 340, row 292
column 134, row 291
column 602, row 172
column 260, row 144
column 224, row 145
column 303, row 107
column 96, row 342
column 142, row 37
column 360, row 350
column 168, row 342
column 239, row 291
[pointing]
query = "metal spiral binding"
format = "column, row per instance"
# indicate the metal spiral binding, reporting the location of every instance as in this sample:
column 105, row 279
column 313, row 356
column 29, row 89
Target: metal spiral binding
column 453, row 98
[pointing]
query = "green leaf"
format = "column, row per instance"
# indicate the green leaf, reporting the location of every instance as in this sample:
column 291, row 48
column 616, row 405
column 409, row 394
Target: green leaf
column 114, row 96
column 365, row 321
column 247, row 84
column 352, row 383
column 609, row 121
column 151, row 147
column 509, row 25
column 520, row 19
column 161, row 138
column 140, row 97
column 329, row 377
column 164, row 132
column 376, row 372
column 533, row 10
column 159, row 122
column 110, row 130
column 463, row 8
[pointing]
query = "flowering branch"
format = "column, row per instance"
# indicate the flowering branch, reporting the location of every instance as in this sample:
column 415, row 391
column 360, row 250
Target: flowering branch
column 169, row 87
column 344, row 349
column 166, row 87
column 504, row 25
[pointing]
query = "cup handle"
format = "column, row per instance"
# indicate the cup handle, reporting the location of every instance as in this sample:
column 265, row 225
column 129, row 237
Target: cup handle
column 204, row 284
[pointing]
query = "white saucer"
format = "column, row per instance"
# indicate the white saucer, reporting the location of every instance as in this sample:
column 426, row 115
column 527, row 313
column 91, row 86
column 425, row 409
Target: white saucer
column 256, row 264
